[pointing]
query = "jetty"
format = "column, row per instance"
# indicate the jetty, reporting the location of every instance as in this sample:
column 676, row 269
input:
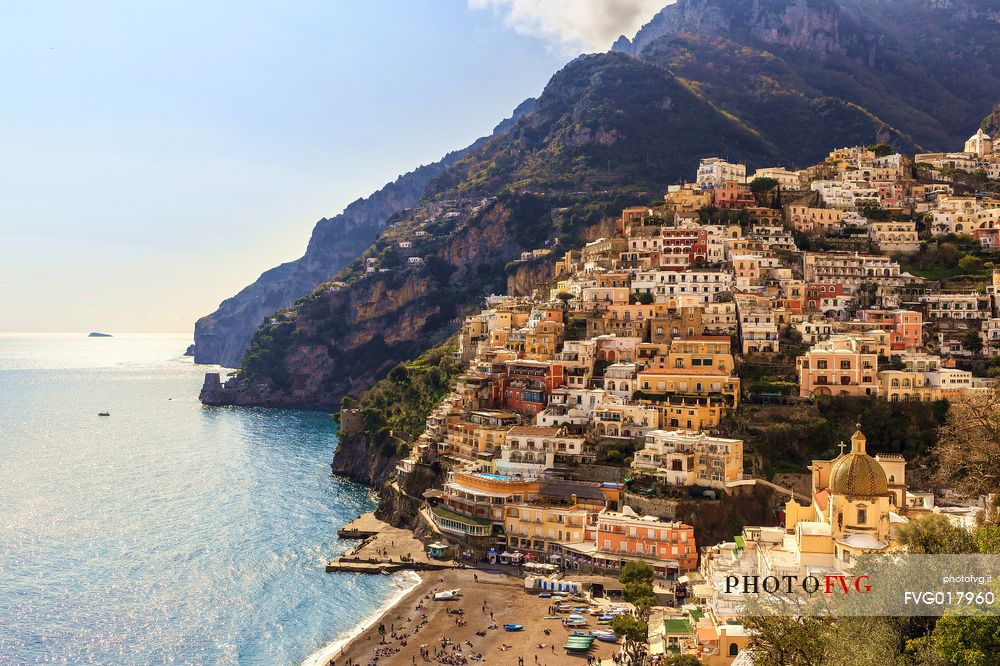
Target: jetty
column 383, row 549
column 364, row 526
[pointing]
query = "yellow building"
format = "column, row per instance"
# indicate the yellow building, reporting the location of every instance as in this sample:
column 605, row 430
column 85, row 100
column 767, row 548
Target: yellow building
column 536, row 527
column 906, row 386
column 688, row 412
column 479, row 435
column 481, row 498
column 855, row 500
column 687, row 199
column 542, row 342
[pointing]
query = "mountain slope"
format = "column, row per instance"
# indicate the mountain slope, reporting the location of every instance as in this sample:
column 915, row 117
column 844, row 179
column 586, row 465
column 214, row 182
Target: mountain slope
column 920, row 68
column 546, row 180
column 765, row 82
column 222, row 337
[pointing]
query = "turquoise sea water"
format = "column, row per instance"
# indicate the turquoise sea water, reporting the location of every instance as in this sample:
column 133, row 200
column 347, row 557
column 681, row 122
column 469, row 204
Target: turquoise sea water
column 166, row 532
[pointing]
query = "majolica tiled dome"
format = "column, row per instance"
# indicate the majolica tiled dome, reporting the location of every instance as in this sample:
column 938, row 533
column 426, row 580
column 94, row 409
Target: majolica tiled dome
column 857, row 473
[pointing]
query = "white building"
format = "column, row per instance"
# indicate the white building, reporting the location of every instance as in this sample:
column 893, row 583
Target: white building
column 714, row 171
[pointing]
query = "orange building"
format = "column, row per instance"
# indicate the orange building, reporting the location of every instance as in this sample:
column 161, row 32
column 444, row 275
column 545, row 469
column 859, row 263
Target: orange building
column 627, row 533
column 905, row 327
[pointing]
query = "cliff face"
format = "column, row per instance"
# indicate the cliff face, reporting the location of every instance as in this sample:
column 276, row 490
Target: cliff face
column 767, row 82
column 809, row 25
column 223, row 336
column 991, row 123
column 357, row 460
column 915, row 69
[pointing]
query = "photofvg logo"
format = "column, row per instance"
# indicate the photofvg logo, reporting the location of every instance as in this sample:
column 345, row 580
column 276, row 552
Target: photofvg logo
column 895, row 584
column 829, row 584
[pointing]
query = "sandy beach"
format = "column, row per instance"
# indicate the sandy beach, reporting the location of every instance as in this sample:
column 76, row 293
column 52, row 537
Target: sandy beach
column 417, row 627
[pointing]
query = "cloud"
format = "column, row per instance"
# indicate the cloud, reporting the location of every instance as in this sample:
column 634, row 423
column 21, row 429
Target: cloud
column 573, row 26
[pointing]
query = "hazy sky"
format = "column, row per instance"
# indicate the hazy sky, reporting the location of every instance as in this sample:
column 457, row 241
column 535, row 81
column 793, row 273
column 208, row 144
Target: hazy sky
column 158, row 156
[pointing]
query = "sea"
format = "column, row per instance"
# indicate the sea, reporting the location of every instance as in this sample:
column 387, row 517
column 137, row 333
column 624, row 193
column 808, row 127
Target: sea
column 166, row 532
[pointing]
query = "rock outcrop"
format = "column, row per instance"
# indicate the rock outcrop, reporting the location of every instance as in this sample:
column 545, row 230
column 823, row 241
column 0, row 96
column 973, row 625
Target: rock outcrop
column 222, row 337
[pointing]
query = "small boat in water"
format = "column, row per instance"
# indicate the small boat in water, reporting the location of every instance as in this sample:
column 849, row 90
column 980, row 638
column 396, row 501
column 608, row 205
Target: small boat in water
column 447, row 595
column 104, row 413
column 513, row 627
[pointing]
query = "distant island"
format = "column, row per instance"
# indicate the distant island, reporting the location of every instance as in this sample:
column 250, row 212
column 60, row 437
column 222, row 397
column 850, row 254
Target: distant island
column 94, row 334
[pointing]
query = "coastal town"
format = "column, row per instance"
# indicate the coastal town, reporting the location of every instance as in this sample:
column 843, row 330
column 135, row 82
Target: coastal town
column 609, row 424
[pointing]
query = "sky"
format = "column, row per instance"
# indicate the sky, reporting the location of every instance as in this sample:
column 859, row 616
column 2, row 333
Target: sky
column 156, row 157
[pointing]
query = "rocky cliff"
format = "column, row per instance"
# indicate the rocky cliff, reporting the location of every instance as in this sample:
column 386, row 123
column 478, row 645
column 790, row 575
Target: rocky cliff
column 223, row 336
column 717, row 77
column 347, row 334
column 916, row 69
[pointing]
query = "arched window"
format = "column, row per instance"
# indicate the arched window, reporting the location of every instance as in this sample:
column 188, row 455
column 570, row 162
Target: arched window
column 862, row 514
column 734, row 649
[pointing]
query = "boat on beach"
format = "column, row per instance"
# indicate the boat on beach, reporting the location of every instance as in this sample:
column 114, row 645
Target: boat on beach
column 447, row 595
column 513, row 627
column 578, row 642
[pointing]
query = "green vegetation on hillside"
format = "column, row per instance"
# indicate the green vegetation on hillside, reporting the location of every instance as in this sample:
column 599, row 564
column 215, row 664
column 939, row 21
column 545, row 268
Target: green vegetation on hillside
column 396, row 408
column 787, row 438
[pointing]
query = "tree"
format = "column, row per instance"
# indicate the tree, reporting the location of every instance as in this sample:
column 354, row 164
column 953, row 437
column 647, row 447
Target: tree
column 634, row 633
column 787, row 641
column 644, row 298
column 961, row 640
column 935, row 535
column 968, row 444
column 881, row 149
column 760, row 185
column 970, row 264
column 988, row 538
column 636, row 572
column 641, row 595
column 347, row 402
column 973, row 341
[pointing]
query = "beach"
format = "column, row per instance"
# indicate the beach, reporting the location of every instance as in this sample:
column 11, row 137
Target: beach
column 416, row 627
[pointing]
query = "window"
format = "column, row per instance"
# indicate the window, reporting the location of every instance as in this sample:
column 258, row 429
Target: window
column 862, row 515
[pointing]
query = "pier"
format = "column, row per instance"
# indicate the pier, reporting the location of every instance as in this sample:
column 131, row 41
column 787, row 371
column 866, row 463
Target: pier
column 383, row 549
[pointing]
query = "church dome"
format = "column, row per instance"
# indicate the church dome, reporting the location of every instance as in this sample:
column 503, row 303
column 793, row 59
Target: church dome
column 857, row 473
